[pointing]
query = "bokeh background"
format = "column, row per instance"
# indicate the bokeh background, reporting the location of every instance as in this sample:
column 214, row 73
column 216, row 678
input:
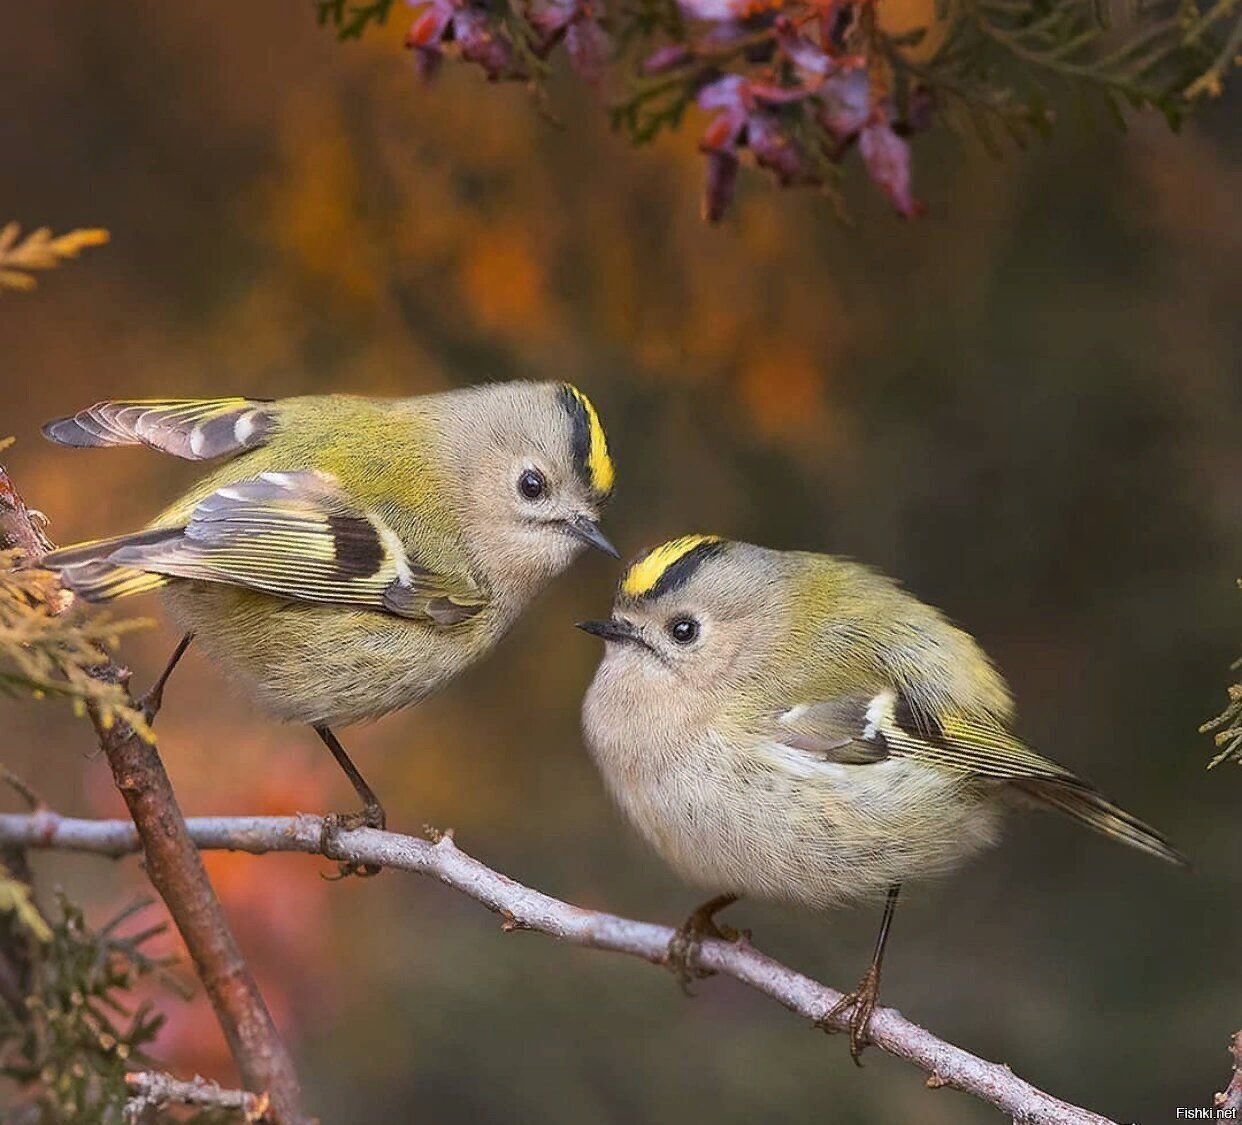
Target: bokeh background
column 1026, row 405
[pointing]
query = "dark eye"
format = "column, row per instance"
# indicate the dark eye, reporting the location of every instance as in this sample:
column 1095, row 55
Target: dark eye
column 683, row 630
column 531, row 484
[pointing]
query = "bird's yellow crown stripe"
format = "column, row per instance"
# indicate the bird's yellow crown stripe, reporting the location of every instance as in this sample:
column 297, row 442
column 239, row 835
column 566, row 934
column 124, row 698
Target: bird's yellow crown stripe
column 602, row 472
column 645, row 574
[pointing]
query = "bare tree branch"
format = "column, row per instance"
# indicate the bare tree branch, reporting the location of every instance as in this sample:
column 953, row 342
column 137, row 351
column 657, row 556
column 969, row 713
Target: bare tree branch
column 176, row 870
column 523, row 908
column 152, row 1090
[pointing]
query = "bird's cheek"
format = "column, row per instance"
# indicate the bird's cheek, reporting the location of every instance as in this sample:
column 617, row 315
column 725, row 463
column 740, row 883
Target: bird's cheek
column 557, row 548
column 625, row 669
column 615, row 664
column 538, row 552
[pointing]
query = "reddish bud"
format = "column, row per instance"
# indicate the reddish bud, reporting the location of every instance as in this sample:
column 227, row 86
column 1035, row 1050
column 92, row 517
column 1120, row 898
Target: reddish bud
column 921, row 109
column 715, row 10
column 768, row 94
column 721, row 182
column 729, row 92
column 719, row 134
column 428, row 27
column 804, row 54
column 664, row 59
column 427, row 61
column 589, row 48
column 846, row 100
column 550, row 17
column 480, row 44
column 887, row 158
column 777, row 152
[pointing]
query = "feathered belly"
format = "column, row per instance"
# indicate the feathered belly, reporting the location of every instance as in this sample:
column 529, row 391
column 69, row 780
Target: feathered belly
column 322, row 664
column 774, row 822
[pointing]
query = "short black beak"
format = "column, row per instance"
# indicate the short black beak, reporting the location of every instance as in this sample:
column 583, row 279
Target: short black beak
column 615, row 629
column 581, row 527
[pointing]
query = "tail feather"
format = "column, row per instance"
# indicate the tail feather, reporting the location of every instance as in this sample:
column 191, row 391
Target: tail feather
column 88, row 570
column 103, row 581
column 1094, row 810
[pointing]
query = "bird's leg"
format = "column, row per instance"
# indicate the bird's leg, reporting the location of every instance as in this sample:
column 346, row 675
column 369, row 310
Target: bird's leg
column 867, row 994
column 153, row 697
column 683, row 950
column 372, row 814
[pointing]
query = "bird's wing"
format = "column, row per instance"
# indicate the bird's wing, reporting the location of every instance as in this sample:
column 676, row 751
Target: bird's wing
column 879, row 726
column 298, row 535
column 872, row 726
column 194, row 429
column 836, row 731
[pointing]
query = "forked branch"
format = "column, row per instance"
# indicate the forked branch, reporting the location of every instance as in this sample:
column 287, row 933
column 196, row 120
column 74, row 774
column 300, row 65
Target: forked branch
column 150, row 1090
column 524, row 908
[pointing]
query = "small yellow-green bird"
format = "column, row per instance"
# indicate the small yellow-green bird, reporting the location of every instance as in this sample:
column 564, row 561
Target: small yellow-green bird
column 352, row 554
column 797, row 727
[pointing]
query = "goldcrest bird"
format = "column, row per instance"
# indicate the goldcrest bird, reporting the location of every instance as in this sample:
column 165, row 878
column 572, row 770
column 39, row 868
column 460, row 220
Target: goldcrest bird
column 797, row 727
column 352, row 554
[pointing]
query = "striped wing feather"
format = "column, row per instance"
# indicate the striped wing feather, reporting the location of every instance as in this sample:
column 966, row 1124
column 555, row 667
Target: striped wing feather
column 865, row 729
column 871, row 727
column 193, row 429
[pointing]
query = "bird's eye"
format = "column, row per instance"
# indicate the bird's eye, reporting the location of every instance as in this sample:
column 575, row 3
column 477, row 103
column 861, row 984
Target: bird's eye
column 531, row 484
column 683, row 630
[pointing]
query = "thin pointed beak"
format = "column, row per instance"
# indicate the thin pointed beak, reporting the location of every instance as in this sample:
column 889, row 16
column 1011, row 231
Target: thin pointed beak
column 586, row 529
column 614, row 629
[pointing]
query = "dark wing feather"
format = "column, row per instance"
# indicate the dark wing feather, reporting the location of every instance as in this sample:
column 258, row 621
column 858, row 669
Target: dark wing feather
column 871, row 727
column 836, row 731
column 193, row 429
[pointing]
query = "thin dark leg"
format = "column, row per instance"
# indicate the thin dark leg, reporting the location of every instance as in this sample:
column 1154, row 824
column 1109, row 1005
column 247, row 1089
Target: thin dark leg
column 372, row 814
column 372, row 809
column 683, row 950
column 153, row 699
column 864, row 998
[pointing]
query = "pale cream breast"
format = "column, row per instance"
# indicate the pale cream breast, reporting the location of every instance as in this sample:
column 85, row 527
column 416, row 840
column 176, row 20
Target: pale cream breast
column 758, row 818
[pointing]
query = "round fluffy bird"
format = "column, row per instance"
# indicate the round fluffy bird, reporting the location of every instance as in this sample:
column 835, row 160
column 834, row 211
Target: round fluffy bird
column 795, row 726
column 352, row 554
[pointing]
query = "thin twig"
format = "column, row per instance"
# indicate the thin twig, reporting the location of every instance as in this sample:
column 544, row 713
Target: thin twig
column 151, row 1090
column 176, row 870
column 523, row 908
column 22, row 788
column 1231, row 1096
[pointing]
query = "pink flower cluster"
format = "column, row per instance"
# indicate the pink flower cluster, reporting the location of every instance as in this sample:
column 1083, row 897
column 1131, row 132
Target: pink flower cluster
column 479, row 32
column 824, row 105
column 782, row 88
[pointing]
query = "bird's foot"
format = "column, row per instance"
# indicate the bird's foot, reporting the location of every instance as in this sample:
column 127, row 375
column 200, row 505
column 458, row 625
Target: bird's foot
column 683, row 950
column 861, row 1004
column 150, row 702
column 370, row 816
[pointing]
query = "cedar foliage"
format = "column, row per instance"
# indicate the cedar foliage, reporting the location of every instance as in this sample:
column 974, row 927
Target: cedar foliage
column 40, row 250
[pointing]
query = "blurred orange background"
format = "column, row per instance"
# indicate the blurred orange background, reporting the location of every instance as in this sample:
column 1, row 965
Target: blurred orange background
column 1026, row 405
